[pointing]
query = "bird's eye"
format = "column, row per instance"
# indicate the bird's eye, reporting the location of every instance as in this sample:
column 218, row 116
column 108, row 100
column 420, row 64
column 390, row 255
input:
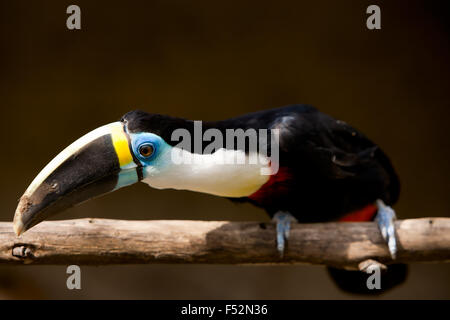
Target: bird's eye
column 146, row 150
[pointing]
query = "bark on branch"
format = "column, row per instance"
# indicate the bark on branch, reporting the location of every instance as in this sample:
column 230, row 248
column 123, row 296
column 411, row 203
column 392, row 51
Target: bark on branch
column 102, row 241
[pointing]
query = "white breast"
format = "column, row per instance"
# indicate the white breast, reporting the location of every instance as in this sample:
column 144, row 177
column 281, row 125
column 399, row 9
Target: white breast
column 213, row 173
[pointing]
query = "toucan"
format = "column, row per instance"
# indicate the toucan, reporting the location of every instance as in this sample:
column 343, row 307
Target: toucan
column 325, row 170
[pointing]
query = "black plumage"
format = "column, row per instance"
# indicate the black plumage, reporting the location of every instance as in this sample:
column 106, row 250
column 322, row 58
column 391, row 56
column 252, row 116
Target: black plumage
column 327, row 167
column 328, row 171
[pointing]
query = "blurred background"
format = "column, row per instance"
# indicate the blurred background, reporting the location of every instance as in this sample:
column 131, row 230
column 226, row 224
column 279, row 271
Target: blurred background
column 211, row 60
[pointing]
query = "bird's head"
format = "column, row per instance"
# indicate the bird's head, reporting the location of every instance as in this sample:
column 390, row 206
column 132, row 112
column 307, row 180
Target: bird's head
column 140, row 147
column 106, row 159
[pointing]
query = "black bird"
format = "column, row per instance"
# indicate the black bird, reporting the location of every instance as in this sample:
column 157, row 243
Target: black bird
column 295, row 162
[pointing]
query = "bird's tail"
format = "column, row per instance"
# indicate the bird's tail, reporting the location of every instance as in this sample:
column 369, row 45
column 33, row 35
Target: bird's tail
column 356, row 281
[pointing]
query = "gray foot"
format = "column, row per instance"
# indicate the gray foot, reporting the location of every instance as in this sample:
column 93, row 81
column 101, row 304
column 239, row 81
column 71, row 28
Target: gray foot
column 385, row 219
column 283, row 220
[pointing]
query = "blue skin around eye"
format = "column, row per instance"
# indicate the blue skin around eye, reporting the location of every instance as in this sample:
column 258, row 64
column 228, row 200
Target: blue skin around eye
column 129, row 176
column 139, row 139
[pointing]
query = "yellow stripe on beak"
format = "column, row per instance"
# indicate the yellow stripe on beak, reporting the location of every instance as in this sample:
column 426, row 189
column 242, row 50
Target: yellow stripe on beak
column 120, row 143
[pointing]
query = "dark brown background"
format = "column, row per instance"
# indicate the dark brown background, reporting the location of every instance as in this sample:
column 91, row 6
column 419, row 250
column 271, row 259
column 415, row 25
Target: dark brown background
column 211, row 60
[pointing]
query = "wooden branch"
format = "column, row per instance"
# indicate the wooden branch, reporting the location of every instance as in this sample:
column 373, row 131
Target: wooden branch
column 101, row 242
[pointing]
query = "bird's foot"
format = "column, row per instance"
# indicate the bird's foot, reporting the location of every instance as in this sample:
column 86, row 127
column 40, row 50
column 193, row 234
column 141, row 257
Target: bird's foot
column 385, row 219
column 283, row 220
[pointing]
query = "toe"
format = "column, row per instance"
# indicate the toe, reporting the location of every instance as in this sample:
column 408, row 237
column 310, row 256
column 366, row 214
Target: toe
column 280, row 239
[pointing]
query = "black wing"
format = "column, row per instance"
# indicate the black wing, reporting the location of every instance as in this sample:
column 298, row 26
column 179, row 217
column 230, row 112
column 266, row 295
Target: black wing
column 336, row 168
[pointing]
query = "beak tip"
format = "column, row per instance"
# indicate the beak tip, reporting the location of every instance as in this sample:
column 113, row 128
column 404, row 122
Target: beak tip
column 18, row 225
column 18, row 228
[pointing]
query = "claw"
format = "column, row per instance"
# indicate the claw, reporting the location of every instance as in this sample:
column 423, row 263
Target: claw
column 385, row 219
column 283, row 220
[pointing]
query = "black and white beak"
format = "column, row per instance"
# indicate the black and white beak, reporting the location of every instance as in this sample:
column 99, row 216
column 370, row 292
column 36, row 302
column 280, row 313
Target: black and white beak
column 97, row 163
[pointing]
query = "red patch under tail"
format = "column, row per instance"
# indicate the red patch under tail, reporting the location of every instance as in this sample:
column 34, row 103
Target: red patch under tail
column 365, row 214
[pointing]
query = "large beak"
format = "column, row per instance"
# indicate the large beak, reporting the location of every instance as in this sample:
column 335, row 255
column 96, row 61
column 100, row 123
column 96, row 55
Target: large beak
column 95, row 164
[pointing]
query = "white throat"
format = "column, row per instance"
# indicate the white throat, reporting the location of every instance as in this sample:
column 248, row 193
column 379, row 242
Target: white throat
column 208, row 173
